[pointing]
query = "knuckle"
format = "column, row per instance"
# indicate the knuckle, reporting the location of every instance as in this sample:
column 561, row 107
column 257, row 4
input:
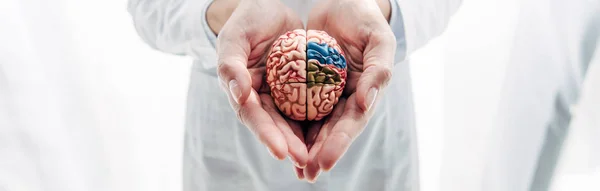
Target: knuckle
column 224, row 60
column 386, row 74
column 227, row 64
column 221, row 65
column 224, row 67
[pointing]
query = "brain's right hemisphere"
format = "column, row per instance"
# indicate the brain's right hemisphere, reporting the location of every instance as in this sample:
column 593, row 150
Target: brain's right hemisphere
column 306, row 71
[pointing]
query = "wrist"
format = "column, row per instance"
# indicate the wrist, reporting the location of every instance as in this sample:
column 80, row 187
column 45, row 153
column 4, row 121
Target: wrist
column 384, row 6
column 218, row 13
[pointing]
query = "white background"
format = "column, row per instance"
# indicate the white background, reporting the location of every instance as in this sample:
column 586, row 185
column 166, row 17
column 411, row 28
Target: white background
column 108, row 113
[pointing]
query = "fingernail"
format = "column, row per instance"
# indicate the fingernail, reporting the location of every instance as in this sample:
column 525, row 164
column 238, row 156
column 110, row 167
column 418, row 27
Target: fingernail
column 235, row 90
column 313, row 180
column 371, row 95
column 296, row 164
column 300, row 176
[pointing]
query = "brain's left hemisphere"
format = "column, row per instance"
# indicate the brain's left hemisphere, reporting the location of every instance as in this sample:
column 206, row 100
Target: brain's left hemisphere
column 287, row 61
column 286, row 74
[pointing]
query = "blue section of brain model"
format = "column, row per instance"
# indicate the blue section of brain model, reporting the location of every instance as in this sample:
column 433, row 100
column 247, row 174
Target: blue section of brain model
column 325, row 54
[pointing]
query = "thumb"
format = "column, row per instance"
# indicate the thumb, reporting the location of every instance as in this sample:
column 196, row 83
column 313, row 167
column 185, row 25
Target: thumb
column 377, row 70
column 232, row 68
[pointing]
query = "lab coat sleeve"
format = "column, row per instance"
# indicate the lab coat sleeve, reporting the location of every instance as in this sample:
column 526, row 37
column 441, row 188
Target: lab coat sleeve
column 172, row 26
column 397, row 25
column 423, row 20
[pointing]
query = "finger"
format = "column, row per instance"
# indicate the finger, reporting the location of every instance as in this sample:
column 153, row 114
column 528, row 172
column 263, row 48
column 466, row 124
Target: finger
column 377, row 67
column 299, row 173
column 350, row 124
column 260, row 123
column 302, row 150
column 295, row 144
column 316, row 138
column 232, row 51
column 312, row 168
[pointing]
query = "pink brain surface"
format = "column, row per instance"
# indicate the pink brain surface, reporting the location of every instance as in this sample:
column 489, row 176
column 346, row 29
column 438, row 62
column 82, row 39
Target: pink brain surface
column 306, row 71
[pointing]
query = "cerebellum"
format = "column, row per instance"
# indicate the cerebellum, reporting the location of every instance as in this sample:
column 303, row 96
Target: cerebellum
column 306, row 71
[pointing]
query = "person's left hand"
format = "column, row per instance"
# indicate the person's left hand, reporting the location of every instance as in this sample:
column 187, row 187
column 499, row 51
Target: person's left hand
column 362, row 30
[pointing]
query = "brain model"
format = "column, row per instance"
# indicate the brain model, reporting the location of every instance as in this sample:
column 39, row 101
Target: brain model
column 306, row 71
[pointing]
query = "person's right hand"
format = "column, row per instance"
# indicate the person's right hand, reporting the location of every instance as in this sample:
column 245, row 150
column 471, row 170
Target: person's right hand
column 361, row 28
column 242, row 45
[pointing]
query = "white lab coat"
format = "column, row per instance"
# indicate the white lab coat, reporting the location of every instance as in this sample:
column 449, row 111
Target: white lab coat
column 221, row 154
column 556, row 41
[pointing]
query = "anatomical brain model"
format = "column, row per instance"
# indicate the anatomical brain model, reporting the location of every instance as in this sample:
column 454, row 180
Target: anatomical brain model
column 306, row 71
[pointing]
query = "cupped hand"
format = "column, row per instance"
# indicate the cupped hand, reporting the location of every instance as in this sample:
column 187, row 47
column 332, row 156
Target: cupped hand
column 362, row 30
column 242, row 43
